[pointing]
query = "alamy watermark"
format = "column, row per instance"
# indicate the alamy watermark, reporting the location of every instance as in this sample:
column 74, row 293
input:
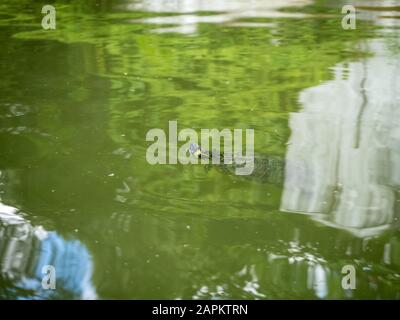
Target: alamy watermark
column 49, row 278
column 191, row 153
column 349, row 280
column 49, row 20
column 349, row 20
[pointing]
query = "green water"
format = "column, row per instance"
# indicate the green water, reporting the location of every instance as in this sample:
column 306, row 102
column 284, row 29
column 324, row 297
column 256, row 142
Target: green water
column 76, row 104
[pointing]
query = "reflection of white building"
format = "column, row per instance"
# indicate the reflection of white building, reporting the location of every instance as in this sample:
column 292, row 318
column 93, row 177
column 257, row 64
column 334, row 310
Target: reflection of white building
column 346, row 142
column 187, row 19
column 188, row 6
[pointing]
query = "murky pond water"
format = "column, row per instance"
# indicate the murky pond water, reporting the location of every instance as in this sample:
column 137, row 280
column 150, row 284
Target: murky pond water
column 77, row 193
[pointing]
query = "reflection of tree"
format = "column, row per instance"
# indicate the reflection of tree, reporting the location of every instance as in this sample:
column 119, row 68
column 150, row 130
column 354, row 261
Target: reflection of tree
column 106, row 74
column 214, row 80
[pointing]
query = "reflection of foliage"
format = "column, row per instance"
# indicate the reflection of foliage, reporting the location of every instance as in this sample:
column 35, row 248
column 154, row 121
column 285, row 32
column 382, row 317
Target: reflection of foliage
column 106, row 75
column 223, row 77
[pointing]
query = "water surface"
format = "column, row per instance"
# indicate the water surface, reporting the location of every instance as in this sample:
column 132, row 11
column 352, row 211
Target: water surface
column 76, row 191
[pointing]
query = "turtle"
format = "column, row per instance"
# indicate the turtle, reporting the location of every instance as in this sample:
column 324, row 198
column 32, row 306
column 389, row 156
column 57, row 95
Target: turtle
column 267, row 168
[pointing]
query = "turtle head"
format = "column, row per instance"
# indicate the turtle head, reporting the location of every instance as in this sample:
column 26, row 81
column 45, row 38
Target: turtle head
column 197, row 151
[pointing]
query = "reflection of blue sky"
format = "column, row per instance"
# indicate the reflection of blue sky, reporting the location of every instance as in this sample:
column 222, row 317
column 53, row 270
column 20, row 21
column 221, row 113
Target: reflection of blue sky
column 25, row 250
